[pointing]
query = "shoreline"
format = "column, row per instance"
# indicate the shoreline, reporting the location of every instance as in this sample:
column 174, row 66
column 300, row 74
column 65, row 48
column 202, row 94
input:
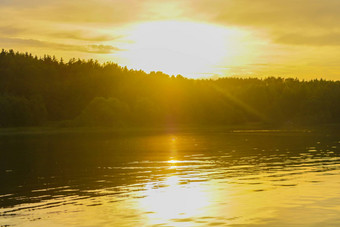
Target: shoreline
column 249, row 128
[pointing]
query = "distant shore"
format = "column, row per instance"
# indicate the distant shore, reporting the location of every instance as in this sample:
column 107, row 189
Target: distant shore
column 249, row 128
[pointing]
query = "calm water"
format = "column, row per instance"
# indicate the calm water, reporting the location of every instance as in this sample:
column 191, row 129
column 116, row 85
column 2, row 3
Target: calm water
column 170, row 179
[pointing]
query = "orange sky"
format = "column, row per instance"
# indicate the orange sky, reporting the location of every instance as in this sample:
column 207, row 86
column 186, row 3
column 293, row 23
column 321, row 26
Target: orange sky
column 195, row 38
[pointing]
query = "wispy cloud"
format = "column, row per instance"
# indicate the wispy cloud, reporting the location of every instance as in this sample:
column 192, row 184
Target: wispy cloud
column 96, row 49
column 83, row 36
column 89, row 11
column 268, row 13
column 330, row 39
column 11, row 30
column 296, row 16
column 298, row 22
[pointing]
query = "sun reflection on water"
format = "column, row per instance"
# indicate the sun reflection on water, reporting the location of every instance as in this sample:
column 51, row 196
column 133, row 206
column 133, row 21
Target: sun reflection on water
column 174, row 199
column 170, row 201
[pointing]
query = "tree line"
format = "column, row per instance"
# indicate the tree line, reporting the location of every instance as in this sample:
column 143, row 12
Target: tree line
column 37, row 91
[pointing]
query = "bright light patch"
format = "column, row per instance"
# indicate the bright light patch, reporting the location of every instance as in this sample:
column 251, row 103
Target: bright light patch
column 176, row 47
column 173, row 201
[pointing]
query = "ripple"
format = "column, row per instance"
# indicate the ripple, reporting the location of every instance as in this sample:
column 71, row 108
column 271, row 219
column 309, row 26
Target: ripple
column 251, row 179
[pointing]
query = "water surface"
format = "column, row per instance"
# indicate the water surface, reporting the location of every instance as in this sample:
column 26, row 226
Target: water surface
column 258, row 178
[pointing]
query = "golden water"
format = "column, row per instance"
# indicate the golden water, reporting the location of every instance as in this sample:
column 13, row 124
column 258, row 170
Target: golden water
column 171, row 179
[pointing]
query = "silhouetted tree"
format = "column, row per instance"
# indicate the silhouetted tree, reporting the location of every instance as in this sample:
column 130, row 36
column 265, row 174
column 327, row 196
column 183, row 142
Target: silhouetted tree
column 37, row 90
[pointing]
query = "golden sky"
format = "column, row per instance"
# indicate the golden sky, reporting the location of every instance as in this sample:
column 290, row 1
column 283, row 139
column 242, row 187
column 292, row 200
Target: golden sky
column 195, row 38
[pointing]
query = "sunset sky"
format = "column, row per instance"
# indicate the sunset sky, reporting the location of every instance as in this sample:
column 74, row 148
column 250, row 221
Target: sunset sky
column 195, row 38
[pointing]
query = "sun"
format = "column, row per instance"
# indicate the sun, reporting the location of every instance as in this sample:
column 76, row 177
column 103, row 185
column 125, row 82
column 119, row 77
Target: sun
column 180, row 47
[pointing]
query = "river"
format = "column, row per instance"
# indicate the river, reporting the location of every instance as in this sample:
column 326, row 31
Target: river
column 255, row 178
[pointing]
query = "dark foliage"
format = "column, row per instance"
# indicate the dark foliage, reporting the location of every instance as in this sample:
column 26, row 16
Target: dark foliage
column 38, row 90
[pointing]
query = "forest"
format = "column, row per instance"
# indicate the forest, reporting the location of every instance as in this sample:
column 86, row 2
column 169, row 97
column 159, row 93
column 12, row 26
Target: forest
column 38, row 91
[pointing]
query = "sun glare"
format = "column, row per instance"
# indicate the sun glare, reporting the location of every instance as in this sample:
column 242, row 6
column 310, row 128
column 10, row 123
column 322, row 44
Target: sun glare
column 174, row 201
column 177, row 47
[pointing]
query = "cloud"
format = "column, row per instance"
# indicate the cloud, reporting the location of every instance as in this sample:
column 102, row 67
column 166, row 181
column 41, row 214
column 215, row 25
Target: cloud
column 268, row 13
column 298, row 14
column 11, row 30
column 96, row 49
column 89, row 11
column 100, row 49
column 78, row 25
column 83, row 36
column 298, row 22
column 100, row 12
column 330, row 39
column 24, row 4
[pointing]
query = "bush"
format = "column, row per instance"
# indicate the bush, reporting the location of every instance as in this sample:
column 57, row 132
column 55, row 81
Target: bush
column 105, row 112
